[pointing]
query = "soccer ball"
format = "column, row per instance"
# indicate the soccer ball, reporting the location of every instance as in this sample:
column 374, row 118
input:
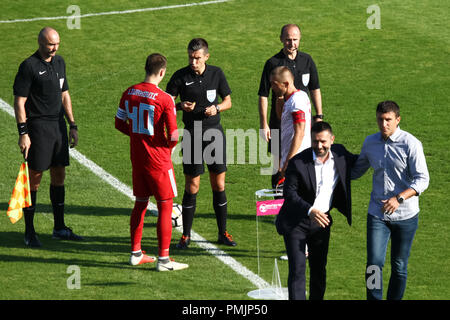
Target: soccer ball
column 177, row 220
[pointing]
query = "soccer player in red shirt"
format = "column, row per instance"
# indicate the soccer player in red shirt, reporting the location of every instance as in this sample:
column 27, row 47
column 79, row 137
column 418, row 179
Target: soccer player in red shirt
column 147, row 114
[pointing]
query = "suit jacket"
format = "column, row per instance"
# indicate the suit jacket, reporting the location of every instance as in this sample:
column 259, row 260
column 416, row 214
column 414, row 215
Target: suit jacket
column 299, row 189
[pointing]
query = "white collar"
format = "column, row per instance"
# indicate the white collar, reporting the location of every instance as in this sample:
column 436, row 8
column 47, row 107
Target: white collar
column 316, row 161
column 396, row 134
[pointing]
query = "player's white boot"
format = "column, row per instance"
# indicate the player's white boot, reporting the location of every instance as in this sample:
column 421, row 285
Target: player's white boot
column 143, row 258
column 170, row 265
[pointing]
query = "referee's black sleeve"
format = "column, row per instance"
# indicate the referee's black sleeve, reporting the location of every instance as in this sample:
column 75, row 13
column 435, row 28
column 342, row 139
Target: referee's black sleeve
column 264, row 85
column 173, row 86
column 314, row 77
column 23, row 80
column 65, row 85
column 224, row 88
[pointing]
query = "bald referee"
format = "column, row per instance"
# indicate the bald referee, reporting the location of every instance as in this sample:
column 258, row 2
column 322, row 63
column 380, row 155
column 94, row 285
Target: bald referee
column 306, row 78
column 41, row 100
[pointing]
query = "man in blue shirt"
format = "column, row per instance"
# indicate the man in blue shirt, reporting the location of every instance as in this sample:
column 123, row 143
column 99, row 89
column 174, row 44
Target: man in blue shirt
column 400, row 176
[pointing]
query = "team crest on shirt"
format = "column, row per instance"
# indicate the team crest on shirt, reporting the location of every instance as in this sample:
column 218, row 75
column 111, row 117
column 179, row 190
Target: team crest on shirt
column 305, row 79
column 211, row 95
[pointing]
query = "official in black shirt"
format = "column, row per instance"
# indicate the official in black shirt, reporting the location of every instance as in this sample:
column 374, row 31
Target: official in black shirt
column 305, row 78
column 41, row 100
column 199, row 86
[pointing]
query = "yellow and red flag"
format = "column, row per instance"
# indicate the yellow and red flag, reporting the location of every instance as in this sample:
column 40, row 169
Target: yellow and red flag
column 21, row 197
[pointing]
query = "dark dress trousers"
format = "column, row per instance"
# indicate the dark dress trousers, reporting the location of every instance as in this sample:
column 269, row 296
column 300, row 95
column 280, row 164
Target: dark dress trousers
column 296, row 227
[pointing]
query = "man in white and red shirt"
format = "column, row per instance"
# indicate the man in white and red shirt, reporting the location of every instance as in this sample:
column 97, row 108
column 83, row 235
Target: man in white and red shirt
column 147, row 114
column 294, row 109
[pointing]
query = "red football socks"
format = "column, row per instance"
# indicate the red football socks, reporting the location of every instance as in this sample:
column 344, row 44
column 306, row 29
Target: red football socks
column 137, row 224
column 164, row 227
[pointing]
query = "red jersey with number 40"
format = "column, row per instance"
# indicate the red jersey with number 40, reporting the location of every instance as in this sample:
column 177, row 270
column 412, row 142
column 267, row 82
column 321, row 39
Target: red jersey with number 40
column 148, row 115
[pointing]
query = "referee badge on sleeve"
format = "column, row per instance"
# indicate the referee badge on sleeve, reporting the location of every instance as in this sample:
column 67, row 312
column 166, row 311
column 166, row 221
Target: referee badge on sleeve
column 305, row 79
column 211, row 95
column 61, row 83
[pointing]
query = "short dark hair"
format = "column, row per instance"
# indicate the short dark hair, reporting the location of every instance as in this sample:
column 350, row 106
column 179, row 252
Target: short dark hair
column 198, row 44
column 321, row 126
column 155, row 62
column 388, row 106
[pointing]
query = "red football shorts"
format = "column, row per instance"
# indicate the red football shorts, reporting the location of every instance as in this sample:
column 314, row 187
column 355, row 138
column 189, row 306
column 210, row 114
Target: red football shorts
column 161, row 184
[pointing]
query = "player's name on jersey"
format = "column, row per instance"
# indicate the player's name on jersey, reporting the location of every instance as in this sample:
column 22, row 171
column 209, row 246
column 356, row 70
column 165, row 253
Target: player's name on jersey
column 144, row 94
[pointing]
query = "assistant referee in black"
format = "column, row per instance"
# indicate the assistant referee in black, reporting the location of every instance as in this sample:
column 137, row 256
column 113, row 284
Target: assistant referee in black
column 199, row 86
column 306, row 78
column 41, row 100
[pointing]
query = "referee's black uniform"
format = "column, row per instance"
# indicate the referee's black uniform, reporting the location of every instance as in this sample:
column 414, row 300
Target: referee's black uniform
column 203, row 89
column 305, row 78
column 42, row 83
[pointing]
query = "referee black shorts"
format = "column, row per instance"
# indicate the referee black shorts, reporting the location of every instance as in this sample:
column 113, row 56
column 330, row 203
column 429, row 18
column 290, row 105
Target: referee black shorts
column 49, row 144
column 204, row 146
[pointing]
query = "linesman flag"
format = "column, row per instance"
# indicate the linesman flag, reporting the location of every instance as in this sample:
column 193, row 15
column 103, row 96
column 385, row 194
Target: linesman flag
column 21, row 197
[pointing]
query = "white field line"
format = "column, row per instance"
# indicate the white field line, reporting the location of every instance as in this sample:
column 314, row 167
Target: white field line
column 116, row 12
column 126, row 190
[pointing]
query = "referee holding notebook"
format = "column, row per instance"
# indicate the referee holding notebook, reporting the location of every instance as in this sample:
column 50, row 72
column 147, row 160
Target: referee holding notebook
column 199, row 86
column 41, row 100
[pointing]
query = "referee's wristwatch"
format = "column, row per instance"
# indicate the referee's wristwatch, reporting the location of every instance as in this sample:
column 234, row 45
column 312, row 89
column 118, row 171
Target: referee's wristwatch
column 318, row 116
column 73, row 126
column 217, row 108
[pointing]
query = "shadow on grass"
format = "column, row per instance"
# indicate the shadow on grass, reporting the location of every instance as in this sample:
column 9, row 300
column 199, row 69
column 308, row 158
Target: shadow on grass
column 64, row 261
column 95, row 251
column 118, row 245
column 97, row 248
column 79, row 210
column 110, row 211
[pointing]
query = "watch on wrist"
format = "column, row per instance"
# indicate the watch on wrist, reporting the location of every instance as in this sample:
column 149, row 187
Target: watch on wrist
column 217, row 108
column 73, row 126
column 318, row 116
column 400, row 199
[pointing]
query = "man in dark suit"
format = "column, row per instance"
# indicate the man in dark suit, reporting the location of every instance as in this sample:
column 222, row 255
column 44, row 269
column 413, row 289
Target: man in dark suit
column 317, row 180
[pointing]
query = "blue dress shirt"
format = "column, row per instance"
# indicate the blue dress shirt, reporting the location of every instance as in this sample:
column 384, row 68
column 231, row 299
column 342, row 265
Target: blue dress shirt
column 398, row 163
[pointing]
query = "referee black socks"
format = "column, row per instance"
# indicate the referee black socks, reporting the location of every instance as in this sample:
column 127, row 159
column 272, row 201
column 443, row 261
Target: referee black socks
column 28, row 214
column 189, row 203
column 57, row 196
column 220, row 208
